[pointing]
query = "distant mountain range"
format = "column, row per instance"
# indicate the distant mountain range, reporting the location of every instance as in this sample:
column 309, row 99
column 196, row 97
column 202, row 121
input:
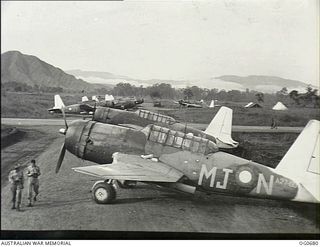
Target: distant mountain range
column 28, row 69
column 262, row 83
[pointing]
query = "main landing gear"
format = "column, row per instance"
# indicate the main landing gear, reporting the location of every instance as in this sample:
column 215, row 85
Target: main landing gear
column 104, row 192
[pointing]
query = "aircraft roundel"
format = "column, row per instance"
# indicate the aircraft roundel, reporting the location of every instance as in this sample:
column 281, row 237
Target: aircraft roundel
column 245, row 177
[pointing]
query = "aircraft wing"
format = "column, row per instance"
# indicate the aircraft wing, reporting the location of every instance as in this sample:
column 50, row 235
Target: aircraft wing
column 133, row 167
column 194, row 105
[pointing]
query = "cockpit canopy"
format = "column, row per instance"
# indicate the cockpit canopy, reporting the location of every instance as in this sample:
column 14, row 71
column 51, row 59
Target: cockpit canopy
column 180, row 140
column 156, row 117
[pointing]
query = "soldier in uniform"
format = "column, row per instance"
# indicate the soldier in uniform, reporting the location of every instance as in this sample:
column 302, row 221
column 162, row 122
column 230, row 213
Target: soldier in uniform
column 16, row 180
column 33, row 172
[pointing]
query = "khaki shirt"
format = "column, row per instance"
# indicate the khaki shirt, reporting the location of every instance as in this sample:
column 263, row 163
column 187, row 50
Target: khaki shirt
column 16, row 177
column 33, row 171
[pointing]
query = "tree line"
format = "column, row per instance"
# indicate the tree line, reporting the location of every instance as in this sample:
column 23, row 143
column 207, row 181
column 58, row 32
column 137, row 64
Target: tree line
column 165, row 91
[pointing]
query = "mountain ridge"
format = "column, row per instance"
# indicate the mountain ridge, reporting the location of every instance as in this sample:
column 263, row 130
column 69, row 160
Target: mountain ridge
column 31, row 70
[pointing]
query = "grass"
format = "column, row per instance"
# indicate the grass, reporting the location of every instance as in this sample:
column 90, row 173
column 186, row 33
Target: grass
column 249, row 117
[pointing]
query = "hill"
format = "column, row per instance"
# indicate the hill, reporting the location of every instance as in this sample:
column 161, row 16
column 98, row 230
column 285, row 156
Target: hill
column 21, row 68
column 264, row 83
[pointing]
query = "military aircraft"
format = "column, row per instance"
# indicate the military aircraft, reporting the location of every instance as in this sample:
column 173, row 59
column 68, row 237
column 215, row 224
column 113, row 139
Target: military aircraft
column 218, row 131
column 122, row 104
column 185, row 103
column 84, row 108
column 88, row 107
column 188, row 163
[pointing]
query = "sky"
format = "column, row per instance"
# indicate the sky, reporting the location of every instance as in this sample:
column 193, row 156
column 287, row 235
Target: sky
column 179, row 40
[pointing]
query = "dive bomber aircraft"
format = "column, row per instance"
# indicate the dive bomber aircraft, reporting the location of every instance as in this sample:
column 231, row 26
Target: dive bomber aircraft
column 88, row 107
column 83, row 108
column 187, row 163
column 218, row 131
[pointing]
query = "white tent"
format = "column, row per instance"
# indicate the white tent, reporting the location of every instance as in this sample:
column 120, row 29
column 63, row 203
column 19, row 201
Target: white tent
column 84, row 99
column 279, row 107
column 211, row 104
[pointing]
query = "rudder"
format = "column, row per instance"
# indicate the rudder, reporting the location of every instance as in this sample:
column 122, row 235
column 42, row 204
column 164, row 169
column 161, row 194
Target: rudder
column 301, row 162
column 220, row 128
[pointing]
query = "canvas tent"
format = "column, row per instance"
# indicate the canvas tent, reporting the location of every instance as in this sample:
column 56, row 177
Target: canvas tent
column 252, row 105
column 279, row 107
column 109, row 97
column 211, row 104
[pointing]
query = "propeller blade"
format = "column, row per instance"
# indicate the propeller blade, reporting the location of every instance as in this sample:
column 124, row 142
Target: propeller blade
column 64, row 117
column 62, row 152
column 94, row 110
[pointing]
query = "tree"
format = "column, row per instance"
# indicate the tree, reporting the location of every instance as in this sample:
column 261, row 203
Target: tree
column 187, row 93
column 260, row 97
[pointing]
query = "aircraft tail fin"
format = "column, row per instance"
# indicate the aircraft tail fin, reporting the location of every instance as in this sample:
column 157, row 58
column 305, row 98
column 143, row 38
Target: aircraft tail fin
column 220, row 128
column 301, row 163
column 84, row 99
column 95, row 98
column 58, row 103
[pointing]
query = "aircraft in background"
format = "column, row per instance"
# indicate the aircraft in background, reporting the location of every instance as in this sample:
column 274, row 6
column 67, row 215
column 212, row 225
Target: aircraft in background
column 110, row 101
column 218, row 131
column 187, row 163
column 88, row 107
column 83, row 108
column 195, row 104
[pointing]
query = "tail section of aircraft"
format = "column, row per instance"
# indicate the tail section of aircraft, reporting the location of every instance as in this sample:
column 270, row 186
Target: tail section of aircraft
column 301, row 163
column 95, row 98
column 58, row 103
column 84, row 99
column 220, row 128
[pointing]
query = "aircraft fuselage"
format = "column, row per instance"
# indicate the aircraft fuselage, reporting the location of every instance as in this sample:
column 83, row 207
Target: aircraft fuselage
column 205, row 167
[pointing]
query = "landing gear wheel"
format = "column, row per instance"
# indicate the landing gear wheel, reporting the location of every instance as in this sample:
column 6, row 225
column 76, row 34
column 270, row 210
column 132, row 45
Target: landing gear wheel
column 103, row 193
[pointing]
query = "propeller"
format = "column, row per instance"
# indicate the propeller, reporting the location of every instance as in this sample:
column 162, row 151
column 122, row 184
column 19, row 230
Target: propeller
column 94, row 110
column 62, row 153
column 63, row 149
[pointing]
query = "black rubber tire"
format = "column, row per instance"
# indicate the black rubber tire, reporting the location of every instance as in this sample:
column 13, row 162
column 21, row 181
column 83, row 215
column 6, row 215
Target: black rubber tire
column 103, row 193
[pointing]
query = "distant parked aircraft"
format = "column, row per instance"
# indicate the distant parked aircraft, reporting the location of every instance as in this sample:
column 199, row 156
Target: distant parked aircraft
column 196, row 104
column 78, row 109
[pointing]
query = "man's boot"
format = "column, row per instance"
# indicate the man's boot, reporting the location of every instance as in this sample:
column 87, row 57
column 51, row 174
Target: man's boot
column 18, row 207
column 29, row 204
column 13, row 205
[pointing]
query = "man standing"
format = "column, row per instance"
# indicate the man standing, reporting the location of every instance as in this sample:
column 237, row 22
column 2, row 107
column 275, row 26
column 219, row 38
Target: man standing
column 16, row 180
column 33, row 172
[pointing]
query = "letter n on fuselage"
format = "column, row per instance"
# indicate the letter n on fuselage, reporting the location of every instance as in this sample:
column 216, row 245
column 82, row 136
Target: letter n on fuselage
column 262, row 181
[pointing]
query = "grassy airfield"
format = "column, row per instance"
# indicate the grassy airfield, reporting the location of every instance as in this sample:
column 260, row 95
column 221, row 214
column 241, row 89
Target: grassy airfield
column 35, row 106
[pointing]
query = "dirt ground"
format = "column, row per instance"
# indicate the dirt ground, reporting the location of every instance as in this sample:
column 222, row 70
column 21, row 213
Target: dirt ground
column 65, row 201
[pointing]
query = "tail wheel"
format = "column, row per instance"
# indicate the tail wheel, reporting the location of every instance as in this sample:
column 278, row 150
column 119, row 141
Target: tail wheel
column 103, row 193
